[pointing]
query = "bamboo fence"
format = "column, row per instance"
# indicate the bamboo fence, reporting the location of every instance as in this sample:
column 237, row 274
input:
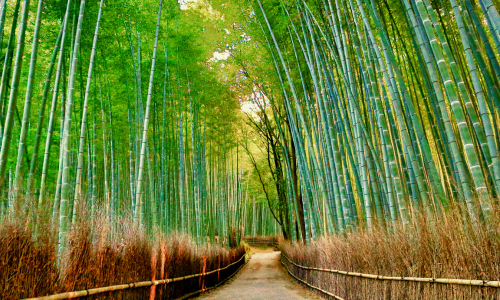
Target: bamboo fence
column 141, row 284
column 310, row 285
column 468, row 282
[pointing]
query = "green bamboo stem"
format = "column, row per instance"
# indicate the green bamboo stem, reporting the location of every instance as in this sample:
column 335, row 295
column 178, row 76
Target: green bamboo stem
column 140, row 179
column 16, row 76
column 83, row 128
column 65, row 180
column 27, row 102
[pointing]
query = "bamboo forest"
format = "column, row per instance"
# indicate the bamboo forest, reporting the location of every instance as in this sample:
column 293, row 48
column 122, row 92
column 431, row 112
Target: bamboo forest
column 306, row 149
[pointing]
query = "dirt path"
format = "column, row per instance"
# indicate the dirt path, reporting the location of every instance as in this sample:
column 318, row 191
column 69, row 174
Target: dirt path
column 262, row 278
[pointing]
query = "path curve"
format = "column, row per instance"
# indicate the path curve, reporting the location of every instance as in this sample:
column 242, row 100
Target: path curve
column 262, row 278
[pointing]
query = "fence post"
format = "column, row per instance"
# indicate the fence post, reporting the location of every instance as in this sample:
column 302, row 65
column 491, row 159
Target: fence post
column 203, row 272
column 218, row 268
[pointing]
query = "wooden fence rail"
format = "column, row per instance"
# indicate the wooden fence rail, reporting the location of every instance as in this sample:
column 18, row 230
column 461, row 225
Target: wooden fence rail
column 468, row 282
column 310, row 285
column 141, row 284
column 269, row 241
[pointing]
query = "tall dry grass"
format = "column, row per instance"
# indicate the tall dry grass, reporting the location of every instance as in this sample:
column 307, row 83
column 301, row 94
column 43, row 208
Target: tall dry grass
column 95, row 258
column 450, row 248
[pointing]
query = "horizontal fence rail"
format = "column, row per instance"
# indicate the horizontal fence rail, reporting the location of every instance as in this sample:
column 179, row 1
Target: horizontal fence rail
column 310, row 285
column 269, row 241
column 468, row 282
column 187, row 296
column 141, row 284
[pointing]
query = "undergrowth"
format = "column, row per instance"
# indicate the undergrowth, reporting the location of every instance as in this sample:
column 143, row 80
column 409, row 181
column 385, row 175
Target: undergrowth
column 97, row 257
column 448, row 248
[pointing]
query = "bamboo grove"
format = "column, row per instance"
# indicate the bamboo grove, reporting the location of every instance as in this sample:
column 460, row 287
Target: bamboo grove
column 392, row 109
column 379, row 112
column 117, row 133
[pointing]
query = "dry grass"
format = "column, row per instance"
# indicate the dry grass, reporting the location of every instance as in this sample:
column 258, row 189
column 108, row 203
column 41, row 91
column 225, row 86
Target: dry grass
column 95, row 258
column 439, row 249
column 26, row 266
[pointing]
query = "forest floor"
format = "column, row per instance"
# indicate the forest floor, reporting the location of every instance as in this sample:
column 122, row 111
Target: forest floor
column 262, row 278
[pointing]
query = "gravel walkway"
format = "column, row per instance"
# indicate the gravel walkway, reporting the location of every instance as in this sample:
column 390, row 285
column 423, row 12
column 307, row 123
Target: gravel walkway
column 262, row 278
